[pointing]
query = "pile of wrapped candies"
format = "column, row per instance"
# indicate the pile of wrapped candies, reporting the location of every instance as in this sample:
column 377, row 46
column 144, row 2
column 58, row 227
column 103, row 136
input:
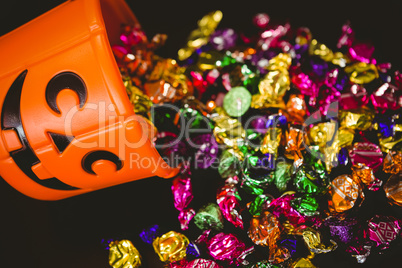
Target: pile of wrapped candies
column 301, row 136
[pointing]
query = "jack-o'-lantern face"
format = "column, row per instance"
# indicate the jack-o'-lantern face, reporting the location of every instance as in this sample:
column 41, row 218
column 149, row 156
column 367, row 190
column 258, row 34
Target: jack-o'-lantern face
column 73, row 144
column 67, row 126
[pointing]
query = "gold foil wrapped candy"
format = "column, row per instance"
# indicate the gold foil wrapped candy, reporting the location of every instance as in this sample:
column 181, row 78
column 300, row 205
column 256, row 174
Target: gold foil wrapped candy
column 302, row 263
column 200, row 36
column 140, row 101
column 171, row 246
column 274, row 84
column 227, row 130
column 123, row 254
column 360, row 119
column 312, row 238
column 271, row 141
column 167, row 82
column 361, row 72
column 321, row 50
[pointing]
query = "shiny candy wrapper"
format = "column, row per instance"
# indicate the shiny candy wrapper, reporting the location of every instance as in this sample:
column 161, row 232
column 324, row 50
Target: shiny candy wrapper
column 342, row 230
column 393, row 189
column 306, row 205
column 229, row 163
column 361, row 172
column 393, row 162
column 167, row 83
column 206, row 150
column 237, row 101
column 182, row 192
column 200, row 36
column 386, row 97
column 264, row 229
column 202, row 263
column 228, row 200
column 171, row 246
column 295, row 138
column 312, row 238
column 353, row 97
column 260, row 203
column 296, row 108
column 271, row 141
column 360, row 119
column 302, row 263
column 318, row 49
column 228, row 130
column 149, row 234
column 345, row 193
column 366, row 153
column 225, row 247
column 185, row 216
column 361, row 72
column 123, row 254
column 209, row 217
column 383, row 230
column 281, row 207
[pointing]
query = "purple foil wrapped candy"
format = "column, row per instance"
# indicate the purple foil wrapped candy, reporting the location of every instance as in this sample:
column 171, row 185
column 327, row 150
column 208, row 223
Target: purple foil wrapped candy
column 149, row 234
column 223, row 39
column 207, row 150
column 342, row 230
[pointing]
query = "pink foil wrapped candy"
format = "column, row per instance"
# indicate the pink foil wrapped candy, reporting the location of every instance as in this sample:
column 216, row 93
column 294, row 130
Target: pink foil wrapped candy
column 202, row 263
column 228, row 200
column 366, row 153
column 383, row 230
column 182, row 192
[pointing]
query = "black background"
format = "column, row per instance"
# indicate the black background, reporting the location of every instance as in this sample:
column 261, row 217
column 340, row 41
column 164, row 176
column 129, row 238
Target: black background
column 68, row 233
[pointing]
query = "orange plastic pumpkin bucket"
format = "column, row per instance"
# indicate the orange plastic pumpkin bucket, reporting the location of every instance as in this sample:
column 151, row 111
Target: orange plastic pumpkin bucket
column 67, row 126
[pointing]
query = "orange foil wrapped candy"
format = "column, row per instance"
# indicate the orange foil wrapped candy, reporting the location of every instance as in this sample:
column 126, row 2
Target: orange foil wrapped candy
column 393, row 189
column 393, row 162
column 296, row 108
column 345, row 193
column 364, row 174
column 295, row 143
column 264, row 231
column 171, row 246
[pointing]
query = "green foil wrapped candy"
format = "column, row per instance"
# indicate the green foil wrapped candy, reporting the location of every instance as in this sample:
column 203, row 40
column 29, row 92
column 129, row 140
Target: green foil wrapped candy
column 237, row 101
column 209, row 217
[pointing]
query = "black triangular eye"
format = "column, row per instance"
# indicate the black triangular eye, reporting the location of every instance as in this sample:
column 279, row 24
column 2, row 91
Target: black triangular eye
column 61, row 141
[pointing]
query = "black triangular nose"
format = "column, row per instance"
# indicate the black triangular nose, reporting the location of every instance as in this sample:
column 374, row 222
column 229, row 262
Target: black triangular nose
column 61, row 141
